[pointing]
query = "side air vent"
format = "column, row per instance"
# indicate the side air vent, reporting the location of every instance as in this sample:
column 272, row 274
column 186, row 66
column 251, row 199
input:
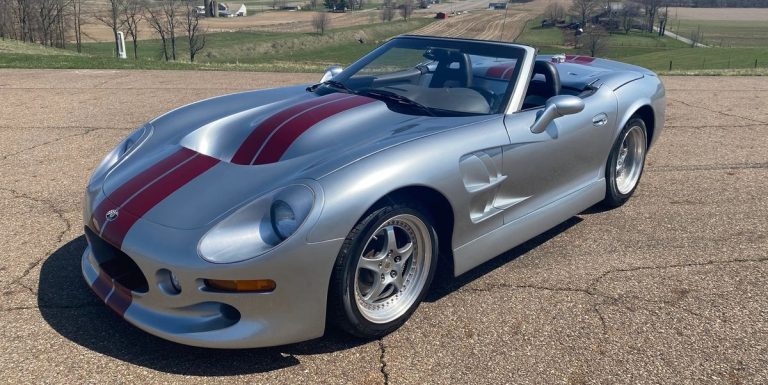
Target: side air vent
column 482, row 177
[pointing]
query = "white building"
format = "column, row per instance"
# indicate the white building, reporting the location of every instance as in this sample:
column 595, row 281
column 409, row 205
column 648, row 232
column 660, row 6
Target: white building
column 234, row 9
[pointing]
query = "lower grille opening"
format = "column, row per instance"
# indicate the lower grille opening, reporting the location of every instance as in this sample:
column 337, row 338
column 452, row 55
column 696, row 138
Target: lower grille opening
column 117, row 264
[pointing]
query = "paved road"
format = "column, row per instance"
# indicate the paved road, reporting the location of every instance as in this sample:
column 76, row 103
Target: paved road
column 678, row 37
column 671, row 288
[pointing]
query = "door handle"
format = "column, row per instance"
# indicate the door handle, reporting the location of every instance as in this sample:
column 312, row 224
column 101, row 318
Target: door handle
column 599, row 120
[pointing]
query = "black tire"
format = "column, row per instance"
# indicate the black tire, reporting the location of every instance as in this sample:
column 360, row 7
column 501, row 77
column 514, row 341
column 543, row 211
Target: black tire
column 613, row 196
column 343, row 310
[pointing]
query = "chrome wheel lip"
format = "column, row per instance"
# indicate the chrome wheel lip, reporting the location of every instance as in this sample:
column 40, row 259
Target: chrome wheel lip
column 393, row 301
column 629, row 162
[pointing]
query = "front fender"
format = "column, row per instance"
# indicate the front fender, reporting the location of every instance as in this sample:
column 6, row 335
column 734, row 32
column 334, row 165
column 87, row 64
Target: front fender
column 431, row 161
column 648, row 91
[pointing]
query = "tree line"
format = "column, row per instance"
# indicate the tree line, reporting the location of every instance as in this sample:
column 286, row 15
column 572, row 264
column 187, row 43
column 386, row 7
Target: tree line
column 611, row 15
column 47, row 22
column 56, row 22
column 719, row 3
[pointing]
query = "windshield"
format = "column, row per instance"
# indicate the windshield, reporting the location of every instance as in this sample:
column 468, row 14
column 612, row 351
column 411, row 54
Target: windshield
column 439, row 77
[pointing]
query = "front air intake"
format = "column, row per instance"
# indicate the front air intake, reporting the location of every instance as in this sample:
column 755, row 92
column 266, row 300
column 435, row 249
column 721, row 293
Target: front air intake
column 117, row 264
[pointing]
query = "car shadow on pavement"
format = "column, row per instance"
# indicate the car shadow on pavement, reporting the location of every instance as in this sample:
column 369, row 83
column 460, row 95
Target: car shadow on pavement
column 69, row 306
column 445, row 283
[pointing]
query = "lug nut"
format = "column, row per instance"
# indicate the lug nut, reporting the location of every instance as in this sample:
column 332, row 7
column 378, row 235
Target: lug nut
column 382, row 276
column 398, row 258
column 393, row 274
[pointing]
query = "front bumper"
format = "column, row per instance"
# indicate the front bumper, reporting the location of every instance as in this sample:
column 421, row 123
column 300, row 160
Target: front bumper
column 199, row 316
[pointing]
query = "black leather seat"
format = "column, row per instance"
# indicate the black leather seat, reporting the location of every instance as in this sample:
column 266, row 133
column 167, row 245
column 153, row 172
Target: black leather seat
column 454, row 69
column 541, row 90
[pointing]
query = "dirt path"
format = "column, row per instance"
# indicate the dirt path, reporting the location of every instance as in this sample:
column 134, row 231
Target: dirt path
column 483, row 23
column 480, row 23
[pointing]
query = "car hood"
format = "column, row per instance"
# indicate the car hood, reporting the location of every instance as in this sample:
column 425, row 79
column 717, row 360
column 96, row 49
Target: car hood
column 216, row 155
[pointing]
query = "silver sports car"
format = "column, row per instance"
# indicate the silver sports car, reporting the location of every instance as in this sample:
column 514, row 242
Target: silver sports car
column 259, row 218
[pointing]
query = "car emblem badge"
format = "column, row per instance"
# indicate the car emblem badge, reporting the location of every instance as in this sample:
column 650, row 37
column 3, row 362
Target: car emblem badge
column 112, row 215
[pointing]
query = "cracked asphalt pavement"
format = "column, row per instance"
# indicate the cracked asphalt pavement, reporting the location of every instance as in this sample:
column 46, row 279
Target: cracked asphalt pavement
column 670, row 288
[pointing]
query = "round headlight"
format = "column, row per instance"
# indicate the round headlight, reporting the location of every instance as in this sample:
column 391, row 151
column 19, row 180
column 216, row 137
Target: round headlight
column 284, row 220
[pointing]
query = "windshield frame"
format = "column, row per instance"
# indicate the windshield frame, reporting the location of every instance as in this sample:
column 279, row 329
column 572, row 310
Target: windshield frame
column 512, row 100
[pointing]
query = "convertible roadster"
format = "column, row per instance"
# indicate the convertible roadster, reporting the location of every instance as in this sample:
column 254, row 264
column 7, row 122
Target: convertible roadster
column 260, row 218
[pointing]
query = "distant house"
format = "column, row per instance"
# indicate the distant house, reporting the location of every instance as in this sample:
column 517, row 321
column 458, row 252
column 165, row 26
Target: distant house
column 234, row 9
column 291, row 7
column 497, row 5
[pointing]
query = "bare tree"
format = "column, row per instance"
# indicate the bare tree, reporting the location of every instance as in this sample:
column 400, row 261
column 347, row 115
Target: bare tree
column 5, row 20
column 42, row 21
column 131, row 15
column 595, row 39
column 313, row 4
column 172, row 14
column 629, row 11
column 406, row 9
column 584, row 9
column 156, row 20
column 321, row 20
column 195, row 32
column 77, row 9
column 554, row 12
column 651, row 8
column 111, row 18
column 48, row 20
column 388, row 10
column 23, row 12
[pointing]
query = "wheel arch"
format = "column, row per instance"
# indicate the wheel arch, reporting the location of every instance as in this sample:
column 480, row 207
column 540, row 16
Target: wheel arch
column 440, row 210
column 645, row 99
column 645, row 113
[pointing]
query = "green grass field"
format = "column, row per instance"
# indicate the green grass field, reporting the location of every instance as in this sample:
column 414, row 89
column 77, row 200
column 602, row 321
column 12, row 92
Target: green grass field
column 726, row 34
column 257, row 51
column 654, row 52
column 308, row 52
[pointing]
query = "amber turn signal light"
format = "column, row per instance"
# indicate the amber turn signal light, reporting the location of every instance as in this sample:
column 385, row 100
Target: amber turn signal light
column 250, row 286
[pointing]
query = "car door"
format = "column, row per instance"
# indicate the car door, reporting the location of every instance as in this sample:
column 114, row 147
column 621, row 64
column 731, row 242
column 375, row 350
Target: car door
column 542, row 168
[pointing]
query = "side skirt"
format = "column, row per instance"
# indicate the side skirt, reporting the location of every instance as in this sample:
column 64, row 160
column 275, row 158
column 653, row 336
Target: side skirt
column 524, row 228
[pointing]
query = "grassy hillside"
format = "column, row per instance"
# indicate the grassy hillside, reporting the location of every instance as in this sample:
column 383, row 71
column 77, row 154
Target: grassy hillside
column 654, row 52
column 726, row 34
column 9, row 47
column 258, row 51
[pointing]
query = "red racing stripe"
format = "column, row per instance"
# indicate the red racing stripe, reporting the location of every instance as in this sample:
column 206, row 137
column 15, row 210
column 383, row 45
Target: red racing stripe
column 256, row 139
column 118, row 197
column 102, row 285
column 276, row 145
column 120, row 299
column 140, row 203
column 124, row 192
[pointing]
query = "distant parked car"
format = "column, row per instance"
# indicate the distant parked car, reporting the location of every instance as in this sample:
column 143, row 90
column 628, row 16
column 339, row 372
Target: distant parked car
column 441, row 15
